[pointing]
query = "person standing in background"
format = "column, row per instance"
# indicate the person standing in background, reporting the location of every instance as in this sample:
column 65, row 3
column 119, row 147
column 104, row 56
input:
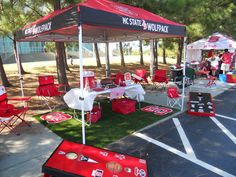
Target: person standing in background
column 234, row 60
column 226, row 59
column 214, row 63
column 210, row 53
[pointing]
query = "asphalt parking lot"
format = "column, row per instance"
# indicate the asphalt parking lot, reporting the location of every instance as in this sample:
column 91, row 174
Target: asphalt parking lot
column 189, row 146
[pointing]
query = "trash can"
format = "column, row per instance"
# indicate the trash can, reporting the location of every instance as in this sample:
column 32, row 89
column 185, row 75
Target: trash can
column 222, row 77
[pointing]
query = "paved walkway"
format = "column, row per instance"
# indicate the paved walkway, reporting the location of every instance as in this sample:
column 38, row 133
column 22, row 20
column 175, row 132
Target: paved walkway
column 23, row 155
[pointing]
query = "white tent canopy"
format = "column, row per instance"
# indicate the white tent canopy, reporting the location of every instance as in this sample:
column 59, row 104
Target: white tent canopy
column 216, row 41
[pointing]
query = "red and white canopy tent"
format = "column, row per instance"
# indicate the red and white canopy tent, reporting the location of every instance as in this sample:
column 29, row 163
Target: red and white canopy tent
column 100, row 21
column 216, row 41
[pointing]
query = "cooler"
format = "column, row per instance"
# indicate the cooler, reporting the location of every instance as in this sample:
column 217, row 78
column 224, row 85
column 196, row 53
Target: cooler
column 123, row 106
column 231, row 78
column 94, row 115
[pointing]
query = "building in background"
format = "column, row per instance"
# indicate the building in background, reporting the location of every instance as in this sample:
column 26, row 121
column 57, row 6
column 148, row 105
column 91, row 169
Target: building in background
column 6, row 47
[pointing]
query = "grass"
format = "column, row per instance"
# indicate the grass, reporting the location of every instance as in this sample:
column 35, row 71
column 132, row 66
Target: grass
column 111, row 127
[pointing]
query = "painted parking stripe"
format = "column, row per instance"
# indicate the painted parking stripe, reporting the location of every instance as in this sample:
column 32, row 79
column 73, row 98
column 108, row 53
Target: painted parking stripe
column 226, row 117
column 225, row 130
column 187, row 146
column 185, row 156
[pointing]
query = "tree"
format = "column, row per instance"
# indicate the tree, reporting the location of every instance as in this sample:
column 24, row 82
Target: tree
column 141, row 52
column 14, row 15
column 60, row 54
column 99, row 65
column 3, row 75
column 121, row 54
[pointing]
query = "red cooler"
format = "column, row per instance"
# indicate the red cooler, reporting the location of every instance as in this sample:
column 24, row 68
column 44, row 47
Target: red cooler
column 123, row 106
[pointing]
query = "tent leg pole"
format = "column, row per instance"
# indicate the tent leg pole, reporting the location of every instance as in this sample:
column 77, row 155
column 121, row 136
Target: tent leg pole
column 81, row 80
column 182, row 106
column 19, row 70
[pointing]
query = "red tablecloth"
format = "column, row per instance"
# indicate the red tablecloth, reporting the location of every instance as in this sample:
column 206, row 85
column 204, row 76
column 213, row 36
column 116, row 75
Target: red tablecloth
column 72, row 159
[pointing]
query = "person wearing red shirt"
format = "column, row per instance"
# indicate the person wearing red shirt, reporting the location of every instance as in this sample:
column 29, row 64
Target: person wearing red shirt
column 226, row 59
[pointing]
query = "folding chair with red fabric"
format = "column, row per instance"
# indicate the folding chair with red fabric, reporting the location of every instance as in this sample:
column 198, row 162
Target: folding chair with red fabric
column 142, row 74
column 119, row 78
column 89, row 80
column 48, row 90
column 173, row 97
column 9, row 114
column 160, row 77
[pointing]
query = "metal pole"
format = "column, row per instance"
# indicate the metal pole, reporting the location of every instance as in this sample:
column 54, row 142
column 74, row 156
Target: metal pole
column 151, row 58
column 19, row 69
column 81, row 80
column 182, row 106
column 107, row 61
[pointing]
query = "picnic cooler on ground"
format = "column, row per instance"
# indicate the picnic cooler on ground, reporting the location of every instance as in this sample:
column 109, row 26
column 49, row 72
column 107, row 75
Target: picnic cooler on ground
column 222, row 77
column 231, row 78
column 95, row 114
column 123, row 105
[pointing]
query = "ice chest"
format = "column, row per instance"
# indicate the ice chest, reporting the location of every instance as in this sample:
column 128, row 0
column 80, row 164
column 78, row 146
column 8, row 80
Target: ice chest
column 94, row 115
column 231, row 78
column 222, row 77
column 123, row 106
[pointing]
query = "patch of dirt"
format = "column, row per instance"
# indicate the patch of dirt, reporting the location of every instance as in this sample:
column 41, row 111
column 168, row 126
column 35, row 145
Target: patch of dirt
column 30, row 81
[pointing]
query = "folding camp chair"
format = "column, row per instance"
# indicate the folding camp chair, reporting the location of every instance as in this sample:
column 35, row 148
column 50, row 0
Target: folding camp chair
column 9, row 114
column 160, row 77
column 89, row 80
column 173, row 97
column 142, row 74
column 48, row 90
column 119, row 78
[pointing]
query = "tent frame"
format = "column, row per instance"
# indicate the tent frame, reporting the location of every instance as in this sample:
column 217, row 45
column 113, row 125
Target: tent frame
column 177, row 30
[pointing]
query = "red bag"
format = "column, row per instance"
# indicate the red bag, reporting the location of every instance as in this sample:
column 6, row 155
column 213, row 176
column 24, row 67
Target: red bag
column 94, row 115
column 123, row 106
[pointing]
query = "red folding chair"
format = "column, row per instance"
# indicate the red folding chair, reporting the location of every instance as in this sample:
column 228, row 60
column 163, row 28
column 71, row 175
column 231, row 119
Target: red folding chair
column 142, row 74
column 119, row 78
column 48, row 90
column 173, row 97
column 160, row 77
column 9, row 114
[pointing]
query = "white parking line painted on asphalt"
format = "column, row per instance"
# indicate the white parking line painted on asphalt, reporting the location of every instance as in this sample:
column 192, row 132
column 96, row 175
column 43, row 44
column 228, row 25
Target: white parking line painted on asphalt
column 187, row 146
column 226, row 117
column 185, row 156
column 225, row 130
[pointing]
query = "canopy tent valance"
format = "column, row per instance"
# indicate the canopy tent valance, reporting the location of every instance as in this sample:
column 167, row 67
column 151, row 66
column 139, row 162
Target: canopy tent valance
column 216, row 41
column 103, row 21
column 99, row 21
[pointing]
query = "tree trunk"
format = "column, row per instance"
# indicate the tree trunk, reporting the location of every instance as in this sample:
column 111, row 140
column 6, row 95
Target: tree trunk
column 156, row 53
column 99, row 65
column 121, row 54
column 3, row 75
column 16, row 55
column 141, row 52
column 65, row 58
column 108, row 70
column 164, row 54
column 180, row 51
column 60, row 50
column 61, row 72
